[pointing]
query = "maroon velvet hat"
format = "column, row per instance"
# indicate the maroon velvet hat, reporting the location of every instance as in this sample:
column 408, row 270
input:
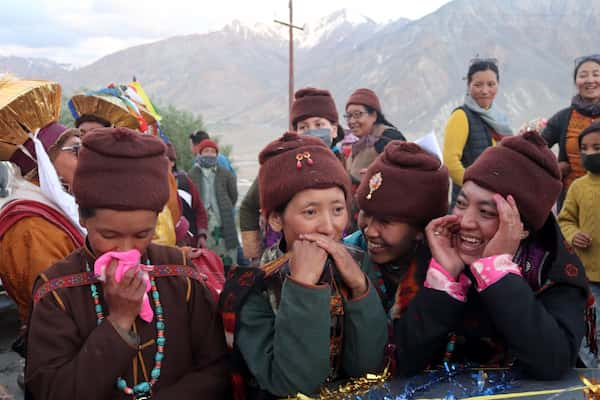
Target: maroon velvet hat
column 121, row 169
column 294, row 163
column 524, row 167
column 405, row 183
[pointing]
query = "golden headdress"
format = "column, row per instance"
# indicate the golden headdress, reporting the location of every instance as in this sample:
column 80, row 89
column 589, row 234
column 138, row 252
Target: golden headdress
column 25, row 106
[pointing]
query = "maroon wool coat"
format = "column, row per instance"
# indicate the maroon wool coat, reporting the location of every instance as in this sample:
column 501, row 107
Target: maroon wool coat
column 71, row 357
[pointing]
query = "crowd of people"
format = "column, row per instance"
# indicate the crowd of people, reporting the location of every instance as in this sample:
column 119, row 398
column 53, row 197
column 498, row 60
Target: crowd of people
column 359, row 252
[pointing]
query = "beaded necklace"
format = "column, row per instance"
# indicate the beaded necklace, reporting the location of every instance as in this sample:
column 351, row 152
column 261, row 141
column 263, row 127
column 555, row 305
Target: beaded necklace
column 450, row 347
column 142, row 390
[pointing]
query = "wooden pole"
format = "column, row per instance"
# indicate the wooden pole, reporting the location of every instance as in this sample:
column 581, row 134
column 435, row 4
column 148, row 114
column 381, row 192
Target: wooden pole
column 291, row 27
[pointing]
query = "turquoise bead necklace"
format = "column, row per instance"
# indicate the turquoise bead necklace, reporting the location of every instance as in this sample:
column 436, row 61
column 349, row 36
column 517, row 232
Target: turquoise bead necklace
column 142, row 390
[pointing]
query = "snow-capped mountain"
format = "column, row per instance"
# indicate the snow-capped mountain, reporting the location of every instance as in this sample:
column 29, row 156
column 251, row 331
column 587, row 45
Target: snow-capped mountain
column 256, row 29
column 238, row 75
column 330, row 27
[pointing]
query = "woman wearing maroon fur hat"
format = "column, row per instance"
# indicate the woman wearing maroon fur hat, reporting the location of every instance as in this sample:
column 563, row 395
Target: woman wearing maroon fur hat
column 391, row 241
column 313, row 113
column 520, row 292
column 218, row 190
column 309, row 314
column 366, row 120
column 94, row 333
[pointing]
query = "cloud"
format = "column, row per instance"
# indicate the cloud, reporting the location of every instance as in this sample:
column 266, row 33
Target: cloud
column 81, row 31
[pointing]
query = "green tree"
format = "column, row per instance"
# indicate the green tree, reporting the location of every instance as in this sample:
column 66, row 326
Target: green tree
column 178, row 125
column 65, row 114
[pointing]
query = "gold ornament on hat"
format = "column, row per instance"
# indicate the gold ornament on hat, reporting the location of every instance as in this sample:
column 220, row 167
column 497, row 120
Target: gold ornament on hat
column 374, row 183
column 303, row 156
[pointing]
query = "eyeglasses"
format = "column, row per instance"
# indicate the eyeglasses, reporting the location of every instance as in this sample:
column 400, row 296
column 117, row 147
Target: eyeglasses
column 73, row 149
column 591, row 57
column 354, row 115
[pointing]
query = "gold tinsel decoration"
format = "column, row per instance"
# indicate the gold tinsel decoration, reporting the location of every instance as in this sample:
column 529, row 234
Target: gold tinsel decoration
column 592, row 390
column 355, row 387
column 110, row 108
column 25, row 106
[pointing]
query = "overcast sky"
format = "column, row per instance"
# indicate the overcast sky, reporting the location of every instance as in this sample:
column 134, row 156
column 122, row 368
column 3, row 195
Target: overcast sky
column 79, row 32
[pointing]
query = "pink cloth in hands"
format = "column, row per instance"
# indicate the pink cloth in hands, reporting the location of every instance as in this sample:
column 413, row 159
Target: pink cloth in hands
column 125, row 261
column 440, row 279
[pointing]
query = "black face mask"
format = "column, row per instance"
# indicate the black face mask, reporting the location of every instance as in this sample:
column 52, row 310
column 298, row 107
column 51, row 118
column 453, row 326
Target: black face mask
column 591, row 162
column 207, row 161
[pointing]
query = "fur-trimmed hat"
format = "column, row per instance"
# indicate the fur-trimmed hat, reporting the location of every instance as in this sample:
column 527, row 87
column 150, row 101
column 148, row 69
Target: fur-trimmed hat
column 294, row 163
column 312, row 102
column 121, row 169
column 366, row 97
column 405, row 183
column 522, row 166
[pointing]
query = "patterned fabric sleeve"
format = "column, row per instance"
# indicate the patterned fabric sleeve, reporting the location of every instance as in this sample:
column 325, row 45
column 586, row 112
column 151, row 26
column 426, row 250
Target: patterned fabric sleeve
column 490, row 270
column 440, row 279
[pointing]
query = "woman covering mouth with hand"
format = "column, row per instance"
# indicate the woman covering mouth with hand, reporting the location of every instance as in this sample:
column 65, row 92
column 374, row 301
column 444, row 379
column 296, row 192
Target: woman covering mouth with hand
column 307, row 315
column 503, row 287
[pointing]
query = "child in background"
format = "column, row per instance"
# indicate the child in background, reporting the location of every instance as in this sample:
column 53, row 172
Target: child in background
column 579, row 218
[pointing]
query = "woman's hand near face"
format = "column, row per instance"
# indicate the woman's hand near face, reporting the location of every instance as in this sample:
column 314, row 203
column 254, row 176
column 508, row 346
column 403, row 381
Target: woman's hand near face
column 510, row 230
column 307, row 262
column 124, row 298
column 441, row 237
column 349, row 270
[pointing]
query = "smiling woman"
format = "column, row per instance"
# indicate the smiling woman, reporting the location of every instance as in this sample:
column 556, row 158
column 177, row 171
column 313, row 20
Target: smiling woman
column 365, row 119
column 566, row 125
column 475, row 125
column 523, row 291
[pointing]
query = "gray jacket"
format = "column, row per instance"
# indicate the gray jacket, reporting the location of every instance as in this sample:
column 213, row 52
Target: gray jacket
column 226, row 192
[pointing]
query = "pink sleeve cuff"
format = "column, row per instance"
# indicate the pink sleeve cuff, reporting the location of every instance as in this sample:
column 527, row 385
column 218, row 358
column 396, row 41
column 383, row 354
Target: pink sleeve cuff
column 490, row 270
column 440, row 279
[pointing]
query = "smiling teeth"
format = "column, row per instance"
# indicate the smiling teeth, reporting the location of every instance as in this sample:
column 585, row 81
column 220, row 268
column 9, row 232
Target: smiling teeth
column 470, row 240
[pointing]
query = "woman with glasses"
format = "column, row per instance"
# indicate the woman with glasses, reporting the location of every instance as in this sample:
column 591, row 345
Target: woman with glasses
column 476, row 125
column 64, row 156
column 566, row 125
column 38, row 222
column 366, row 121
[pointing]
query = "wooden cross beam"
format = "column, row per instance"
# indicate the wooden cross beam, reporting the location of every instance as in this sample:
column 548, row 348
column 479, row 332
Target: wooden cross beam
column 291, row 27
